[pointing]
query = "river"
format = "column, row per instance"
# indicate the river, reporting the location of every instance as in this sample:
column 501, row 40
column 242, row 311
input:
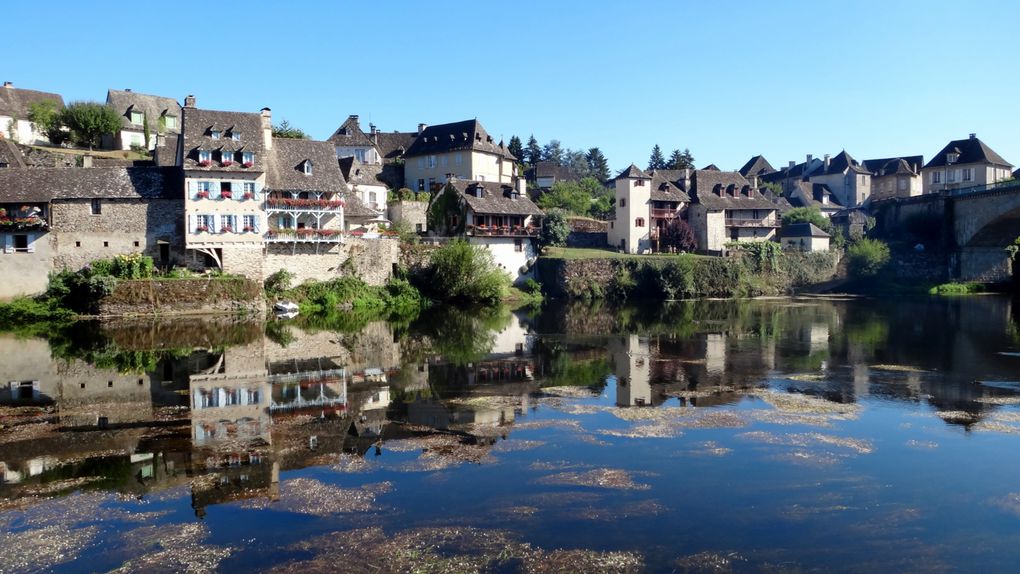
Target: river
column 708, row 436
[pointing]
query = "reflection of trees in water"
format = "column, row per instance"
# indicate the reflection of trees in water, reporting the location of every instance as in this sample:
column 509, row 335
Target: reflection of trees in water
column 458, row 336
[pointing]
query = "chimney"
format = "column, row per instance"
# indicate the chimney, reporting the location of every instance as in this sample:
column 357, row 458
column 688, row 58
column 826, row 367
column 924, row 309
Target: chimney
column 826, row 162
column 127, row 89
column 754, row 181
column 522, row 187
column 372, row 129
column 793, row 164
column 189, row 102
column 807, row 163
column 421, row 128
column 354, row 118
column 972, row 136
column 8, row 84
column 267, row 128
column 86, row 160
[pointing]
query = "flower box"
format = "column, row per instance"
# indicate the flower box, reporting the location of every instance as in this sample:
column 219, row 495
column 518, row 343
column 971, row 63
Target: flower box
column 202, row 195
column 201, row 228
column 248, row 195
column 227, row 163
column 204, row 163
column 249, row 229
column 226, row 195
column 227, row 229
column 247, row 164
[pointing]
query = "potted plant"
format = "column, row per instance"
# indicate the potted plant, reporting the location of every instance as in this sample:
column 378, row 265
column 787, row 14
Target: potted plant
column 226, row 195
column 227, row 162
column 247, row 164
column 249, row 229
column 227, row 229
column 202, row 195
column 248, row 195
column 204, row 163
column 201, row 228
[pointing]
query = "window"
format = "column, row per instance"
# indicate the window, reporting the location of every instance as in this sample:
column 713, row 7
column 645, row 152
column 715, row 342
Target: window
column 444, row 161
column 639, row 183
column 432, row 162
column 77, row 243
column 203, row 223
column 248, row 157
column 226, row 157
column 248, row 187
column 21, row 244
column 215, row 134
column 250, row 223
column 373, row 197
column 936, row 177
column 137, row 243
column 227, row 223
column 518, row 245
column 639, row 222
column 622, row 202
column 204, row 155
column 308, row 167
column 236, row 136
column 418, row 228
column 359, row 154
column 457, row 159
column 432, row 183
column 968, row 174
column 952, row 157
column 421, row 185
column 901, row 184
column 950, row 175
column 97, row 207
column 137, row 118
column 170, row 122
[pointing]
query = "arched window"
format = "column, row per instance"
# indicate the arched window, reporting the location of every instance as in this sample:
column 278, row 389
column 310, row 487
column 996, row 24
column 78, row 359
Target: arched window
column 639, row 222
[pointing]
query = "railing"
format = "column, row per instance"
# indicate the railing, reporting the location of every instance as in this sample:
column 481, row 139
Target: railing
column 1000, row 186
column 664, row 213
column 223, row 195
column 312, row 205
column 739, row 222
column 502, row 231
column 304, row 236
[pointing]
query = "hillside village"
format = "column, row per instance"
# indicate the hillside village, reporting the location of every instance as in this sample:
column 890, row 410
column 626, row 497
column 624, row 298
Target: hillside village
column 212, row 190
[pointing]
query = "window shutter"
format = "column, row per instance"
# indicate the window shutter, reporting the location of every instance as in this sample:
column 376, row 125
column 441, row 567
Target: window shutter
column 8, row 243
column 191, row 224
column 31, row 243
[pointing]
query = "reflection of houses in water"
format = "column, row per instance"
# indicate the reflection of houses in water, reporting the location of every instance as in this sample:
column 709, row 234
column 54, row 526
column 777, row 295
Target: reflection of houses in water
column 632, row 358
column 443, row 416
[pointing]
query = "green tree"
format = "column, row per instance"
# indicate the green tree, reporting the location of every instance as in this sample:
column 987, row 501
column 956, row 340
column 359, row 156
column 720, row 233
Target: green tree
column 553, row 152
column 460, row 272
column 89, row 121
column 145, row 128
column 516, row 148
column 807, row 215
column 285, row 130
column 656, row 161
column 680, row 160
column 867, row 257
column 533, row 152
column 555, row 228
column 598, row 165
column 45, row 118
column 575, row 161
column 568, row 196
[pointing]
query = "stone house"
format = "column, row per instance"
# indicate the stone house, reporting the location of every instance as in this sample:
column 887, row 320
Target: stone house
column 895, row 177
column 847, row 179
column 223, row 157
column 163, row 116
column 69, row 217
column 756, row 167
column 364, row 181
column 646, row 204
column 964, row 163
column 351, row 142
column 15, row 104
column 805, row 237
column 726, row 207
column 545, row 173
column 463, row 150
column 494, row 215
column 817, row 195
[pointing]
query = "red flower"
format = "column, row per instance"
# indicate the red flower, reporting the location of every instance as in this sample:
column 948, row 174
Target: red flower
column 248, row 164
column 227, row 162
column 204, row 163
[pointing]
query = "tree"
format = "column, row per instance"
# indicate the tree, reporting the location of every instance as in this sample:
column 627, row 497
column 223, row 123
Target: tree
column 867, row 257
column 598, row 165
column 533, row 151
column 555, row 228
column 89, row 121
column 285, row 130
column 145, row 128
column 656, row 161
column 516, row 148
column 679, row 236
column 553, row 152
column 568, row 196
column 807, row 215
column 680, row 160
column 466, row 273
column 45, row 118
column 575, row 161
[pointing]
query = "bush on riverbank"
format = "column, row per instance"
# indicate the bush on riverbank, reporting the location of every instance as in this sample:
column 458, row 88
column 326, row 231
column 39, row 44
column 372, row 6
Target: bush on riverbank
column 867, row 257
column 463, row 273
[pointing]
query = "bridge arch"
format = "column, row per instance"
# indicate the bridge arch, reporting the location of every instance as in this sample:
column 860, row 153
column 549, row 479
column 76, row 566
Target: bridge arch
column 985, row 224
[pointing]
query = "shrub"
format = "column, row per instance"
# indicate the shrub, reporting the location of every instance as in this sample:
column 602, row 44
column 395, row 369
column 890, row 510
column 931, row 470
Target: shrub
column 531, row 286
column 278, row 282
column 867, row 257
column 462, row 272
column 555, row 228
column 807, row 215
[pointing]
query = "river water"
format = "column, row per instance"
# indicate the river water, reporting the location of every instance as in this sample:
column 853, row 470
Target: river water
column 711, row 436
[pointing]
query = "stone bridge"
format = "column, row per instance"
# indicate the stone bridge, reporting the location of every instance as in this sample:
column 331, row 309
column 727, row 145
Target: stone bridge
column 976, row 223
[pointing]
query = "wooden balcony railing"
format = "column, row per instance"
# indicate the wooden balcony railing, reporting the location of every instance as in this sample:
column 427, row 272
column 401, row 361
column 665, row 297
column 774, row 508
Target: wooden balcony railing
column 740, row 222
column 502, row 231
column 304, row 205
column 661, row 213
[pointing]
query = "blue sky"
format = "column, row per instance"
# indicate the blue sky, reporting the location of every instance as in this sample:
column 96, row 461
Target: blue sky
column 727, row 79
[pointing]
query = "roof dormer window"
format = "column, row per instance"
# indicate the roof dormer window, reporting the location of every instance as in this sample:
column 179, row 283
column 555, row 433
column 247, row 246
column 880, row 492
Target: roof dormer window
column 236, row 136
column 170, row 122
column 248, row 158
column 137, row 118
column 215, row 134
column 308, row 167
column 952, row 157
column 204, row 156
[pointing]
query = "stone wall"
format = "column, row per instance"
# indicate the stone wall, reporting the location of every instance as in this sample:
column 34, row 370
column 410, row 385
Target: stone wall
column 587, row 225
column 244, row 261
column 123, row 226
column 985, row 264
column 25, row 273
column 413, row 213
column 184, row 297
column 587, row 239
column 371, row 260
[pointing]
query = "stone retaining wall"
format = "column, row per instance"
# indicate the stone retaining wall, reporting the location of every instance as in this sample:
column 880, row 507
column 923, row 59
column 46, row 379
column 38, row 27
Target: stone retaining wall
column 204, row 296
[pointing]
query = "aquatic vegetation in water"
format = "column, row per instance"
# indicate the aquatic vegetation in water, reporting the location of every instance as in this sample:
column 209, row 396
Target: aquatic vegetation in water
column 654, row 430
column 707, row 448
column 898, row 368
column 859, row 446
column 172, row 548
column 707, row 563
column 315, row 498
column 572, row 392
column 806, row 404
column 517, row 445
column 41, row 549
column 1010, row 503
column 922, row 444
column 599, row 478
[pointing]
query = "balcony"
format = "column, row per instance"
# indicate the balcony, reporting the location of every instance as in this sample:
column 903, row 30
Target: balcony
column 748, row 222
column 304, row 205
column 502, row 231
column 304, row 236
column 664, row 213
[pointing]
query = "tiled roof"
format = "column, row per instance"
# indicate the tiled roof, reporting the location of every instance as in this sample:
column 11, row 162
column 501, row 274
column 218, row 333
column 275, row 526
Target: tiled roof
column 14, row 102
column 167, row 152
column 891, row 165
column 633, row 172
column 124, row 102
column 198, row 125
column 286, row 166
column 458, row 136
column 841, row 163
column 805, row 229
column 757, row 165
column 47, row 184
column 550, row 169
column 495, row 198
column 718, row 190
column 711, row 167
column 393, row 145
column 356, row 172
column 349, row 134
column 354, row 207
column 971, row 150
column 813, row 194
column 664, row 187
column 10, row 154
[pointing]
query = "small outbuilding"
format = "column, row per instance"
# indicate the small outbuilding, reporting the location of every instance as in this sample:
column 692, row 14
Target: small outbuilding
column 805, row 237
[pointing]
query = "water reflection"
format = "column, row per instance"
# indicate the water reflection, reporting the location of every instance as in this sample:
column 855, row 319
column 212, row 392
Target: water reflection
column 229, row 410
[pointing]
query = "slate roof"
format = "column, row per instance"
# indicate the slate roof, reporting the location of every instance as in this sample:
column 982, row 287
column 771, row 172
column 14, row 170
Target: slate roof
column 718, row 190
column 550, row 169
column 199, row 123
column 354, row 207
column 841, row 163
column 356, row 172
column 805, row 229
column 971, row 150
column 812, row 196
column 54, row 184
column 664, row 188
column 393, row 145
column 757, row 165
column 891, row 165
column 349, row 134
column 286, row 163
column 633, row 172
column 711, row 167
column 495, row 198
column 458, row 136
column 14, row 102
column 10, row 154
column 167, row 153
column 124, row 102
column 1016, row 174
